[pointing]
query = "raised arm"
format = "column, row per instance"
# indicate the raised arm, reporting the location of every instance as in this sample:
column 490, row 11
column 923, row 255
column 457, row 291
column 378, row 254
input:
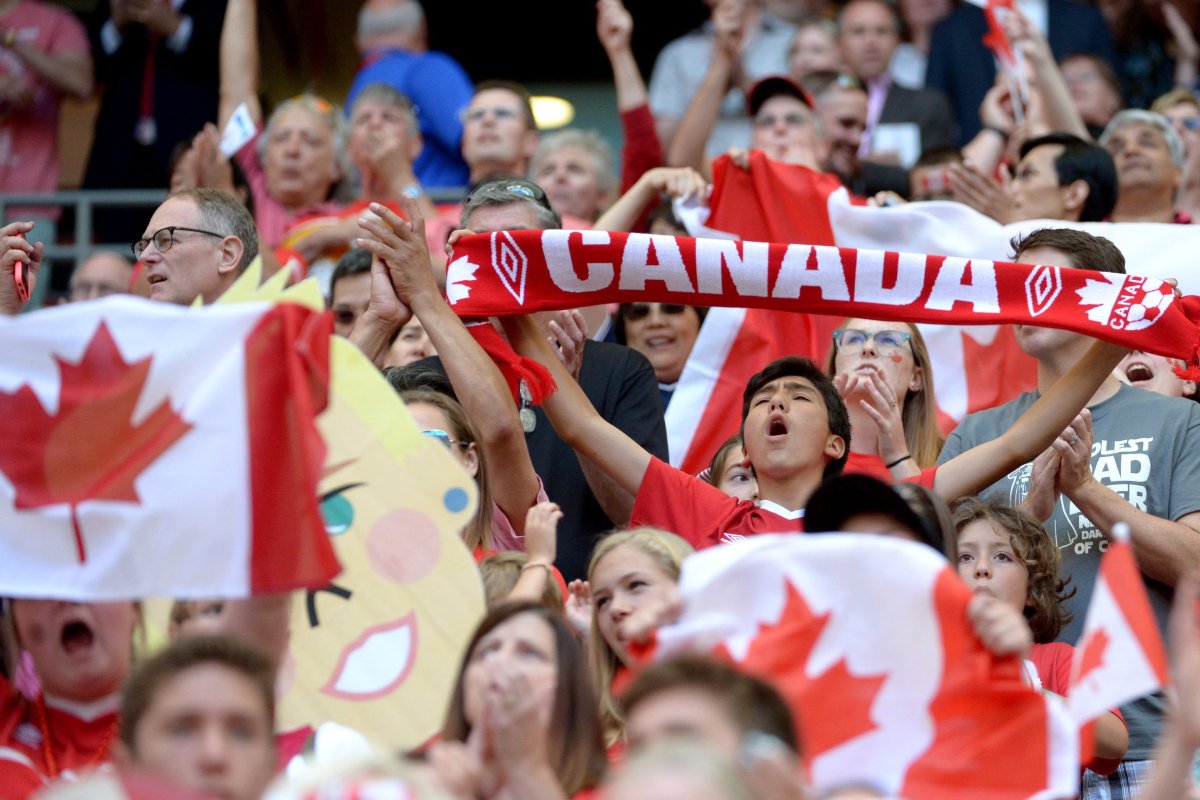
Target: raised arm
column 614, row 29
column 482, row 390
column 239, row 61
column 574, row 418
column 671, row 181
column 972, row 471
column 1051, row 109
column 691, row 135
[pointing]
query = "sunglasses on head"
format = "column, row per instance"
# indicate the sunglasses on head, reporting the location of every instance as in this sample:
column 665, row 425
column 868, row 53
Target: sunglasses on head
column 513, row 186
column 636, row 312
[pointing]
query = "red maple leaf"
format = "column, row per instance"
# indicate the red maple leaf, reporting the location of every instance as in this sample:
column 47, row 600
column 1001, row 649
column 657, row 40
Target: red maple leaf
column 88, row 450
column 831, row 708
column 1093, row 653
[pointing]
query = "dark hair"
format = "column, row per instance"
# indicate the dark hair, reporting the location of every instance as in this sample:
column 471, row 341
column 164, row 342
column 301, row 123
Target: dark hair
column 515, row 88
column 618, row 329
column 1082, row 161
column 1046, row 591
column 891, row 7
column 752, row 704
column 420, row 376
column 665, row 212
column 716, row 467
column 148, row 679
column 575, row 750
column 835, row 409
column 355, row 262
column 1085, row 250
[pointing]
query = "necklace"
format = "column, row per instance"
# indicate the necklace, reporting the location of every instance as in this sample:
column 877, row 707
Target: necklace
column 48, row 757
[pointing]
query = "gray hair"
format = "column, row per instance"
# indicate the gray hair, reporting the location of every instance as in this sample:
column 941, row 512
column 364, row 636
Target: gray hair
column 495, row 193
column 1137, row 116
column 224, row 214
column 388, row 95
column 337, row 123
column 591, row 143
column 407, row 17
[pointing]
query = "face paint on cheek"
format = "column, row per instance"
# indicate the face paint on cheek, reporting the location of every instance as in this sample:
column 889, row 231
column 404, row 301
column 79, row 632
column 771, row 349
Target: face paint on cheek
column 897, row 358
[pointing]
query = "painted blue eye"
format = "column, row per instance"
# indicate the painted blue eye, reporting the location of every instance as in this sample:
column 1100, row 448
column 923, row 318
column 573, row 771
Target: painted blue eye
column 337, row 511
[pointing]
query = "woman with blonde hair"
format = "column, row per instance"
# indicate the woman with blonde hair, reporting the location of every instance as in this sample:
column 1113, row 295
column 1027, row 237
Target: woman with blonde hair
column 633, row 571
column 884, row 373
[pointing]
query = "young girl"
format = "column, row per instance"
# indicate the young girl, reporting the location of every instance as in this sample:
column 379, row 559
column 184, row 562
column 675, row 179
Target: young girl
column 1004, row 553
column 729, row 472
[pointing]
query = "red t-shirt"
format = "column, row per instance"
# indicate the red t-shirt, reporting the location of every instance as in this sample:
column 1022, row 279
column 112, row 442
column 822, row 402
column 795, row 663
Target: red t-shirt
column 1053, row 664
column 706, row 516
column 700, row 512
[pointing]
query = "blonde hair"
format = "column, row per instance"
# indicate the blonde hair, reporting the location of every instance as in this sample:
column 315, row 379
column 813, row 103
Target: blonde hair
column 477, row 534
column 668, row 552
column 921, row 430
column 501, row 571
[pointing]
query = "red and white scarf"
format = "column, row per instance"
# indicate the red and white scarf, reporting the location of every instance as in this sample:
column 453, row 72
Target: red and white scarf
column 518, row 272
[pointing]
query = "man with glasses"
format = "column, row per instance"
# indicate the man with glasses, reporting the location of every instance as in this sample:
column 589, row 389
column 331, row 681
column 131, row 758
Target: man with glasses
column 1133, row 456
column 100, row 275
column 618, row 381
column 195, row 246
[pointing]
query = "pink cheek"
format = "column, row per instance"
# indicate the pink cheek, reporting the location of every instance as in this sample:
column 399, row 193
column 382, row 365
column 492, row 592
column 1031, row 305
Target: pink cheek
column 404, row 546
column 897, row 358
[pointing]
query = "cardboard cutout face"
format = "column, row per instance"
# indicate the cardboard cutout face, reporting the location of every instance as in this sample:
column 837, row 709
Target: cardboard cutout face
column 378, row 649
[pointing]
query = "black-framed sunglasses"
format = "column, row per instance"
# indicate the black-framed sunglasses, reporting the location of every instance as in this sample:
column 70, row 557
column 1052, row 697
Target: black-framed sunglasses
column 513, row 186
column 164, row 239
column 851, row 341
column 636, row 312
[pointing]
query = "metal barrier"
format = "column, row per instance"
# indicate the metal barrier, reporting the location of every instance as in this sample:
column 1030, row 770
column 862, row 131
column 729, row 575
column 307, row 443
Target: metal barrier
column 82, row 246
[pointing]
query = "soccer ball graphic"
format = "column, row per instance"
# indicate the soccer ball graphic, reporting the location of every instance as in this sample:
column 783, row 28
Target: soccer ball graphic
column 1149, row 308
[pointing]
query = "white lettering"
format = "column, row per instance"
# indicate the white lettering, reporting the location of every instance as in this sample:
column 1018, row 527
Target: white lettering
column 747, row 270
column 829, row 276
column 949, row 287
column 868, row 279
column 636, row 268
column 557, row 251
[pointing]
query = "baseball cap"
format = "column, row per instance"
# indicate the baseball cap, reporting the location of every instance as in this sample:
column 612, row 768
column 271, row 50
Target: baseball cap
column 772, row 86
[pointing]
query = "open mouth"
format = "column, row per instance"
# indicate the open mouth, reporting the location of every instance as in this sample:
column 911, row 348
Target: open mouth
column 656, row 342
column 76, row 636
column 776, row 426
column 1138, row 372
column 375, row 663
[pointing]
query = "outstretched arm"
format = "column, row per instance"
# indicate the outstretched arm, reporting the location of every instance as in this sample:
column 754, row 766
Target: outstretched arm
column 239, row 61
column 574, row 418
column 672, row 181
column 972, row 471
column 482, row 390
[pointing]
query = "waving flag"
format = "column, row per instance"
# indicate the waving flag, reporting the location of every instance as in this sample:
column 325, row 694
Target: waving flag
column 1120, row 655
column 153, row 450
column 976, row 367
column 868, row 640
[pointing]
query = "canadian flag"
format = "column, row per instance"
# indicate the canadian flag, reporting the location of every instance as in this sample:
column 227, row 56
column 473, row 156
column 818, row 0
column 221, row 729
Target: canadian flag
column 976, row 367
column 1120, row 655
column 868, row 640
column 152, row 450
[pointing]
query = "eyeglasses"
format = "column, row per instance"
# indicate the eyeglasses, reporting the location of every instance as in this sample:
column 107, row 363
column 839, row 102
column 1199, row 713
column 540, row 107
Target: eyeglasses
column 1189, row 123
column 444, row 438
column 164, row 239
column 636, row 312
column 851, row 341
column 511, row 186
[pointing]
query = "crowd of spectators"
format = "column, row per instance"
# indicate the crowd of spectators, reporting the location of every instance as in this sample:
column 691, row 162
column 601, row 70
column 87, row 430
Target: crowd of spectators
column 583, row 526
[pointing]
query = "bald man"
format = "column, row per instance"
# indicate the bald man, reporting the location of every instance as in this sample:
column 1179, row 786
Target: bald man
column 102, row 274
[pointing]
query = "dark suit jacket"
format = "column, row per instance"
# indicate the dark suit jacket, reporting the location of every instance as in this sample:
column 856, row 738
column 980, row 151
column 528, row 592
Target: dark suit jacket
column 621, row 385
column 927, row 108
column 185, row 94
column 963, row 69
